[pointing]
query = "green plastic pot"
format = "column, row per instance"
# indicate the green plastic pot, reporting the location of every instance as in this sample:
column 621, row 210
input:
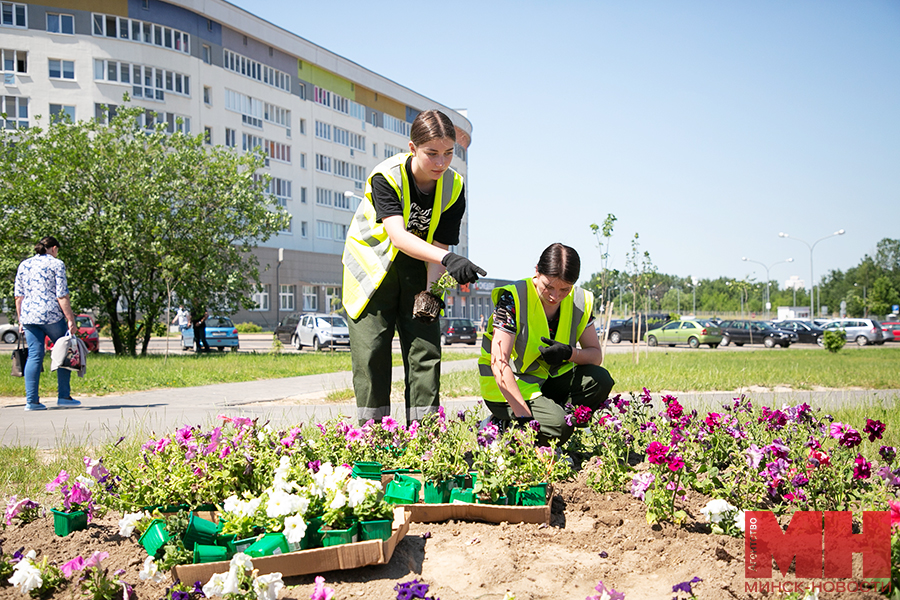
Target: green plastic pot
column 438, row 492
column 402, row 490
column 199, row 531
column 375, row 530
column 337, row 537
column 65, row 523
column 155, row 537
column 236, row 545
column 367, row 470
column 533, row 495
column 312, row 539
column 204, row 553
column 268, row 545
column 463, row 495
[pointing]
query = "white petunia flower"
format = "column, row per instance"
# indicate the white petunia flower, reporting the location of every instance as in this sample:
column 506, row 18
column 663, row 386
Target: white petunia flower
column 243, row 561
column 267, row 586
column 231, row 504
column 151, row 571
column 339, row 500
column 278, row 505
column 715, row 510
column 26, row 576
column 128, row 523
column 739, row 521
column 215, row 585
column 231, row 584
column 294, row 529
column 87, row 482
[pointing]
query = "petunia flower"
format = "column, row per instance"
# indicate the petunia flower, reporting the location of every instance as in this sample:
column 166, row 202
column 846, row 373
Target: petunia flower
column 685, row 586
column 715, row 510
column 151, row 572
column 94, row 560
column 411, row 589
column 294, row 528
column 215, row 586
column 605, row 593
column 850, row 439
column 26, row 576
column 862, row 469
column 894, row 508
column 321, row 591
column 62, row 478
column 388, row 423
column 641, row 483
column 73, row 566
column 888, row 454
column 874, row 428
column 266, row 587
column 754, row 456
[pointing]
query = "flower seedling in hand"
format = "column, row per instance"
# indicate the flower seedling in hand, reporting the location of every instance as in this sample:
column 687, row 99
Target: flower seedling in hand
column 427, row 305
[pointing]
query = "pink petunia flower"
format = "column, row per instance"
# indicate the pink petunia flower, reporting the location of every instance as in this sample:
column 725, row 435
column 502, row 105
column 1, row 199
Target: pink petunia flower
column 895, row 513
column 354, row 435
column 94, row 560
column 389, row 423
column 71, row 567
column 60, row 479
column 862, row 468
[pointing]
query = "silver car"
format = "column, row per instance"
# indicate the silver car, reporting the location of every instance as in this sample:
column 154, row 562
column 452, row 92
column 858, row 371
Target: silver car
column 321, row 331
column 862, row 331
column 9, row 333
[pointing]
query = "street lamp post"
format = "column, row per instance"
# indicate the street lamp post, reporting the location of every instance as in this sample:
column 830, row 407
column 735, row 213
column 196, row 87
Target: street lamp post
column 694, row 290
column 768, row 298
column 812, row 285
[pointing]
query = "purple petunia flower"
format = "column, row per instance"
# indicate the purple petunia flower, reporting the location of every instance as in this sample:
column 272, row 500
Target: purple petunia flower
column 656, row 453
column 389, row 423
column 535, row 425
column 583, row 414
column 411, row 589
column 888, row 453
column 850, row 439
column 685, row 586
column 179, row 595
column 862, row 468
column 875, row 429
column 889, row 477
column 607, row 593
column 641, row 483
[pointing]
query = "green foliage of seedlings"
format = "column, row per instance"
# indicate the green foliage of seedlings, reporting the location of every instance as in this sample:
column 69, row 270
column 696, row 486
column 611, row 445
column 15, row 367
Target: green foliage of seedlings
column 445, row 282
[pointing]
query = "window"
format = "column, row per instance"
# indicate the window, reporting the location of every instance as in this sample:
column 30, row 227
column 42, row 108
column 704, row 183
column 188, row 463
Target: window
column 61, row 69
column 323, row 197
column 207, row 94
column 358, row 111
column 104, row 112
column 250, row 142
column 321, row 96
column 251, row 109
column 323, row 163
column 302, row 126
column 281, row 189
column 207, row 135
column 324, row 230
column 256, row 70
column 375, row 150
column 323, row 130
column 303, row 160
column 286, row 297
column 207, row 54
column 230, row 138
column 149, row 83
column 340, row 231
column 60, row 113
column 459, row 151
column 304, row 226
column 390, row 151
column 341, row 201
column 332, row 298
column 396, row 125
column 57, row 23
column 171, row 122
column 12, row 14
column 16, row 109
column 14, row 61
column 141, row 31
column 303, row 195
column 310, row 298
column 278, row 151
column 261, row 298
column 279, row 116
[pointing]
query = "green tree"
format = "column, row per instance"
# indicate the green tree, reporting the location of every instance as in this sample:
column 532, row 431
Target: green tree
column 882, row 296
column 141, row 213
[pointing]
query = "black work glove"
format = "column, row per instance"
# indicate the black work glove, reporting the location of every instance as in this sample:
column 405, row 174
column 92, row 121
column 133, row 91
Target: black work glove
column 555, row 353
column 462, row 269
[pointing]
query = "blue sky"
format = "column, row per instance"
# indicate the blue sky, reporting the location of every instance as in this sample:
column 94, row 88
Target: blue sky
column 705, row 127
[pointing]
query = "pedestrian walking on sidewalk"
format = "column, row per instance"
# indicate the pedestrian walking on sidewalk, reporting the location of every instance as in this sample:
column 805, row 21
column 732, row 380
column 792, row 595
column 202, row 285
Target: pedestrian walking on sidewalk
column 44, row 311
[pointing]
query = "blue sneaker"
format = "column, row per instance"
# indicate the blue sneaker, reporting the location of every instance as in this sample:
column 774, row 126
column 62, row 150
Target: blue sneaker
column 67, row 403
column 35, row 406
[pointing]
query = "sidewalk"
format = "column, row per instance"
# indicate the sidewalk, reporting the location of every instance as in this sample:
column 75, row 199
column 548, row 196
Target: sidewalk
column 291, row 401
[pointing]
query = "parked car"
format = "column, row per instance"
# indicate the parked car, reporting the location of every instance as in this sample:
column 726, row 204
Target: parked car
column 9, row 333
column 808, row 333
column 692, row 333
column 740, row 332
column 321, row 331
column 220, row 333
column 627, row 328
column 600, row 327
column 457, row 330
column 891, row 331
column 285, row 330
column 863, row 331
column 87, row 331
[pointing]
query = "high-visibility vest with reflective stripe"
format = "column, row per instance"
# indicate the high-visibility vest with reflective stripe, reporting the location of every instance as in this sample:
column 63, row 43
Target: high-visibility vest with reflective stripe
column 528, row 367
column 368, row 252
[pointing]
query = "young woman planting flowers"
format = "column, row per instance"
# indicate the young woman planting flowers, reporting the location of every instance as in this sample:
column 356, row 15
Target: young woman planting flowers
column 530, row 365
column 396, row 246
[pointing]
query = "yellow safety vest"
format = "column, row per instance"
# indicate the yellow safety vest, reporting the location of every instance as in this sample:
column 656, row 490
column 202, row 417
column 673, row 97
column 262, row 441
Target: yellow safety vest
column 368, row 252
column 531, row 325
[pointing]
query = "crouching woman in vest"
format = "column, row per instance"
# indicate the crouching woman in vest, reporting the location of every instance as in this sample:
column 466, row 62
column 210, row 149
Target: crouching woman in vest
column 396, row 247
column 530, row 366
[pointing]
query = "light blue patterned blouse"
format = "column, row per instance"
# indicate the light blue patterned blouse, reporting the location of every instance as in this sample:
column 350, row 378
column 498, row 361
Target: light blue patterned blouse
column 41, row 280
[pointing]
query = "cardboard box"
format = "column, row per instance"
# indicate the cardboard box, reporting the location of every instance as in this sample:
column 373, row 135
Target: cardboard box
column 319, row 560
column 490, row 513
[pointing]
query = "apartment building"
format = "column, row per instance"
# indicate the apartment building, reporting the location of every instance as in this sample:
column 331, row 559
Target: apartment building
column 206, row 66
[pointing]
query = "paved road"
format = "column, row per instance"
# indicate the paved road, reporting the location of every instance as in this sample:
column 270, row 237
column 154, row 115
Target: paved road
column 283, row 402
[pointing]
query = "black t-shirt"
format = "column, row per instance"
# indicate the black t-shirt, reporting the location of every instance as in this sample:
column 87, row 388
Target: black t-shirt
column 388, row 204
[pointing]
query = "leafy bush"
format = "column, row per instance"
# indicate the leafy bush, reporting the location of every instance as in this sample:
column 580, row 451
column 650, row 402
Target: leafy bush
column 834, row 340
column 248, row 328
